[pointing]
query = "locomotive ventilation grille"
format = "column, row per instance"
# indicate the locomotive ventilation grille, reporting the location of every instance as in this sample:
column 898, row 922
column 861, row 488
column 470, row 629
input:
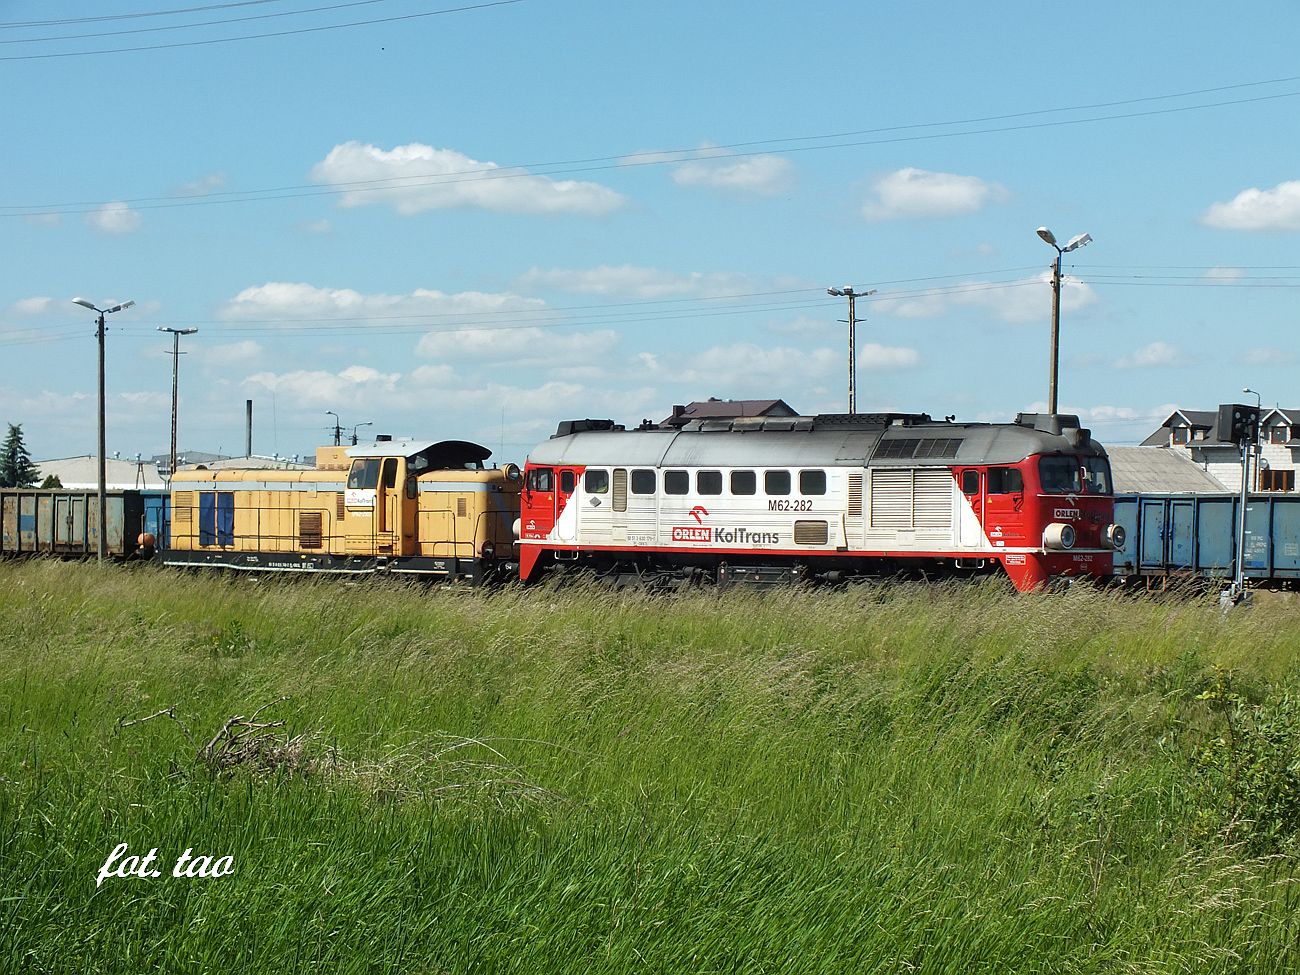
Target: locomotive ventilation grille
column 183, row 508
column 309, row 529
column 461, row 510
column 339, row 508
column 855, row 495
column 907, row 499
column 810, row 533
column 921, row 448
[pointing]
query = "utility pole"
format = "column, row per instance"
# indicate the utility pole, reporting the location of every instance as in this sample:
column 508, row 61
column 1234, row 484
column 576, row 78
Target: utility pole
column 176, row 334
column 1075, row 243
column 338, row 430
column 103, row 475
column 848, row 292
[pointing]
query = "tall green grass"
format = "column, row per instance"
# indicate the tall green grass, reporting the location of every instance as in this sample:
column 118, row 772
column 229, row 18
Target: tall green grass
column 882, row 779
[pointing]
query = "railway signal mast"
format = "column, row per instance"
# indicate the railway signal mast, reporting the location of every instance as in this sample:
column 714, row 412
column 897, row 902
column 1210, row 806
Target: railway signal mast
column 1239, row 424
column 848, row 292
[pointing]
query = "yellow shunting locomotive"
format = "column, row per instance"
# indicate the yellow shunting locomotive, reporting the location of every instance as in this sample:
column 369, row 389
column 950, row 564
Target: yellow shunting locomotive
column 401, row 506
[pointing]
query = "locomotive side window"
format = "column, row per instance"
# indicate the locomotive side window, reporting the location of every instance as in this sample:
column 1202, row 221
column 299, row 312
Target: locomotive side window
column 776, row 482
column 744, row 482
column 970, row 482
column 643, row 481
column 1097, row 475
column 568, row 481
column 708, row 482
column 1059, row 475
column 1006, row 480
column 596, row 482
column 541, row 479
column 812, row 482
column 364, row 474
column 675, row 482
column 390, row 472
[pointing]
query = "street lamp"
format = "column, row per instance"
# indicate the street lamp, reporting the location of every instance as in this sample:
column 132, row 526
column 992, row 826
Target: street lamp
column 1075, row 243
column 176, row 334
column 338, row 430
column 101, row 312
column 368, row 423
column 848, row 292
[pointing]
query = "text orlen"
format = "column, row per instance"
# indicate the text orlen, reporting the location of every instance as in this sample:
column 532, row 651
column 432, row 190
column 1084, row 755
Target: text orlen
column 725, row 536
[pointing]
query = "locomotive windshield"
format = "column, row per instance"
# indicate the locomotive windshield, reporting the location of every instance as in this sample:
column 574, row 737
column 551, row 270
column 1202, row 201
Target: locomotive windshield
column 1060, row 475
column 1096, row 475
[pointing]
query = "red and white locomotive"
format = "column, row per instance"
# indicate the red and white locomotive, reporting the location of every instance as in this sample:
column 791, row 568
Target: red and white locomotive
column 822, row 497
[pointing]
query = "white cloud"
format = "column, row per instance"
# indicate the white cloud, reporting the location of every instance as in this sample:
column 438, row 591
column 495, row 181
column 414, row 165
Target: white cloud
column 886, row 358
column 1027, row 300
column 763, row 175
column 296, row 301
column 32, row 306
column 229, row 354
column 114, row 218
column 414, row 178
column 1268, row 357
column 201, row 186
column 1155, row 354
column 518, row 346
column 644, row 282
column 915, row 192
column 1256, row 209
column 1225, row 274
column 351, row 386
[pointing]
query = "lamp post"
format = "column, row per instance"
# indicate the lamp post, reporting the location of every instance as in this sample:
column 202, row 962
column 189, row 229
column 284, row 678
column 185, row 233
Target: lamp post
column 101, row 312
column 368, row 423
column 338, row 430
column 176, row 334
column 1075, row 243
column 848, row 292
column 1259, row 449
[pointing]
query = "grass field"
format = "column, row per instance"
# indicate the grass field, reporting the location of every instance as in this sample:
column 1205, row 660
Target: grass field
column 886, row 779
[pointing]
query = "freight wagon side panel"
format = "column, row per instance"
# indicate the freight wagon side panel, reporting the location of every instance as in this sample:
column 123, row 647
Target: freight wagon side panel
column 1286, row 537
column 1216, row 539
column 1126, row 515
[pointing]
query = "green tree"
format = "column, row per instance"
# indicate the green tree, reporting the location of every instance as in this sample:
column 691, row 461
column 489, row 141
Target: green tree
column 51, row 481
column 16, row 467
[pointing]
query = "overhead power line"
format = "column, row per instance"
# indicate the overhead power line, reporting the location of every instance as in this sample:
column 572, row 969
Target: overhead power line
column 249, row 37
column 135, row 16
column 790, row 144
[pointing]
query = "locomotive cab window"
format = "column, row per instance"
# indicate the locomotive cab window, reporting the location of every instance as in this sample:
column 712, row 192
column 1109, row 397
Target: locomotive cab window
column 364, row 474
column 776, row 482
column 568, row 481
column 390, row 472
column 643, row 481
column 744, row 482
column 970, row 482
column 676, row 482
column 1006, row 480
column 708, row 482
column 1059, row 475
column 541, row 479
column 596, row 482
column 812, row 482
column 1097, row 475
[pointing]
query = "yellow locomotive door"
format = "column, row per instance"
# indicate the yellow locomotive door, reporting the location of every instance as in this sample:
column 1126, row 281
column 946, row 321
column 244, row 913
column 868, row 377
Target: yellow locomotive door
column 388, row 509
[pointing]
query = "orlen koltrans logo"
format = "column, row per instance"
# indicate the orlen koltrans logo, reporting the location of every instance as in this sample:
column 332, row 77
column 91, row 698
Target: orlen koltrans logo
column 699, row 532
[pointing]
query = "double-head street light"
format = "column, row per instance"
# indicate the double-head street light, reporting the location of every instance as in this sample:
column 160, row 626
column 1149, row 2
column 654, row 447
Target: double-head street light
column 848, row 292
column 338, row 430
column 368, row 423
column 101, row 312
column 176, row 334
column 1074, row 244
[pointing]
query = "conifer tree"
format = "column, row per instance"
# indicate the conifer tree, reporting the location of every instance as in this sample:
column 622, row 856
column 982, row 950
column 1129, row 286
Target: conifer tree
column 16, row 467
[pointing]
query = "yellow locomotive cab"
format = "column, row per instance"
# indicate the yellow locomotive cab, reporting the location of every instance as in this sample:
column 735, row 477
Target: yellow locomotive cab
column 405, row 506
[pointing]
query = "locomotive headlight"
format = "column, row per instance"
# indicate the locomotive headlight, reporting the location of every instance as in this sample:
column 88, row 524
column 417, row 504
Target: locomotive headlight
column 515, row 528
column 489, row 550
column 1059, row 535
column 1116, row 536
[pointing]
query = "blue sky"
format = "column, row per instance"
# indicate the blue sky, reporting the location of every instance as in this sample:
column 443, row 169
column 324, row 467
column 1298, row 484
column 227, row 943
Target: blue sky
column 475, row 221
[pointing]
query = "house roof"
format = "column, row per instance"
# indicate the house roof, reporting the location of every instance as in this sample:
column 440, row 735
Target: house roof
column 1291, row 416
column 1158, row 470
column 1207, row 420
column 725, row 409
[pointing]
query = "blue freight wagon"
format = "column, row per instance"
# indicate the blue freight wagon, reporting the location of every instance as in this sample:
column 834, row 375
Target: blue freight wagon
column 66, row 522
column 1195, row 536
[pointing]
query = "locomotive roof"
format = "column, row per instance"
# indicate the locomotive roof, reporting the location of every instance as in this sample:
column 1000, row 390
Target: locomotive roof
column 830, row 441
